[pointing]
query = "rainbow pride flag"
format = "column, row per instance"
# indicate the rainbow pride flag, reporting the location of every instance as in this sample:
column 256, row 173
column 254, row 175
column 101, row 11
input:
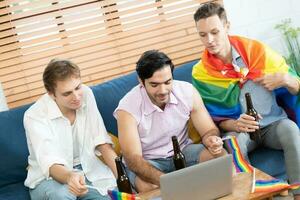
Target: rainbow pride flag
column 273, row 185
column 219, row 84
column 116, row 195
column 241, row 165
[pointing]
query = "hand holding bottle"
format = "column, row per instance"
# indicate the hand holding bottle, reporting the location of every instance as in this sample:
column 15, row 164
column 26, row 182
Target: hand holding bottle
column 246, row 123
column 254, row 135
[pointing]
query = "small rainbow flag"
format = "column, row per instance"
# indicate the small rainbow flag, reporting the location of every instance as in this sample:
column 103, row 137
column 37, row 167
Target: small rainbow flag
column 273, row 185
column 116, row 195
column 241, row 165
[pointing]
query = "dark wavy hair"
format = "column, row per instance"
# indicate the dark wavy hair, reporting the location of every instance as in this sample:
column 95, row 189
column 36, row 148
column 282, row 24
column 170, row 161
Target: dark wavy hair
column 150, row 62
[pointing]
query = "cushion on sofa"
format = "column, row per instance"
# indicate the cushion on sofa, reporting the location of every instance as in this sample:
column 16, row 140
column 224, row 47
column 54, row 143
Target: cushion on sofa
column 13, row 147
column 270, row 161
column 109, row 94
column 16, row 191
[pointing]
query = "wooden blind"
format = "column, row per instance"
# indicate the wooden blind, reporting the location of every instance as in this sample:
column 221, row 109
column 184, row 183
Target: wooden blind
column 105, row 38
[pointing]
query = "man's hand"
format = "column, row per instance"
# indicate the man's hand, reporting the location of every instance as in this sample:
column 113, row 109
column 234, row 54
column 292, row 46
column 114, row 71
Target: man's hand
column 273, row 81
column 246, row 123
column 214, row 144
column 76, row 183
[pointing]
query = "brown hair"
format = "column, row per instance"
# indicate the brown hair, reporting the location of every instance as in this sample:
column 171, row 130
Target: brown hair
column 210, row 9
column 59, row 70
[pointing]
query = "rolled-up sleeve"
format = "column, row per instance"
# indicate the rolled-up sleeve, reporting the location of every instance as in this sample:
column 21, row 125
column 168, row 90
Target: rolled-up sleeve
column 42, row 144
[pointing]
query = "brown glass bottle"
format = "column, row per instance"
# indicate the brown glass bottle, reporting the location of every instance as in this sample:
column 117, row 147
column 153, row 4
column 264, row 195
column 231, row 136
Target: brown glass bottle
column 178, row 158
column 256, row 136
column 123, row 182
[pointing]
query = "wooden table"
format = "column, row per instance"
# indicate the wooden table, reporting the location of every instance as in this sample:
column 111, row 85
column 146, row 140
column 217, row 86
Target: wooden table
column 242, row 184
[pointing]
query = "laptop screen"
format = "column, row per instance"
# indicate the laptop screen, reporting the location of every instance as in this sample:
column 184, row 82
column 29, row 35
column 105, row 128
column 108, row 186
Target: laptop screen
column 207, row 180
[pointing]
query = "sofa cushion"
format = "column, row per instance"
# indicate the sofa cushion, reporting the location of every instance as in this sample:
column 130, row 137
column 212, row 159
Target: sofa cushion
column 13, row 147
column 184, row 72
column 109, row 94
column 15, row 191
column 270, row 161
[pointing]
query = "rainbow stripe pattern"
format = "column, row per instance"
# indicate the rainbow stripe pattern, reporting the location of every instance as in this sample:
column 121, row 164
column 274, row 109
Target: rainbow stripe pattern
column 116, row 195
column 241, row 165
column 219, row 84
column 273, row 185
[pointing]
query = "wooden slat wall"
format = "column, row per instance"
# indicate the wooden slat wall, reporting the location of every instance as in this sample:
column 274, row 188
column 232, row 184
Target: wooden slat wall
column 105, row 38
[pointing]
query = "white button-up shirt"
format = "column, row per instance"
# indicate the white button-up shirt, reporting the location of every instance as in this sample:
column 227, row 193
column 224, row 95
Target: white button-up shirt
column 49, row 139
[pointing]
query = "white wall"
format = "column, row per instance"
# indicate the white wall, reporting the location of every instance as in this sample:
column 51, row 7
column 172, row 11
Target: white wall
column 257, row 18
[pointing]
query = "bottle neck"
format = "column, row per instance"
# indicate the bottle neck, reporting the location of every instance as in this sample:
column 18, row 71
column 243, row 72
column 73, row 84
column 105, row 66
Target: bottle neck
column 176, row 146
column 249, row 101
column 119, row 166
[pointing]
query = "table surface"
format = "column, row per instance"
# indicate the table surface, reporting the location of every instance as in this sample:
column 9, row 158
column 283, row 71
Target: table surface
column 242, row 184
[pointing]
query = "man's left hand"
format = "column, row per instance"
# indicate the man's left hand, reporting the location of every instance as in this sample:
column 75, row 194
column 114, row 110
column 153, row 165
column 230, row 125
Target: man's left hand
column 273, row 81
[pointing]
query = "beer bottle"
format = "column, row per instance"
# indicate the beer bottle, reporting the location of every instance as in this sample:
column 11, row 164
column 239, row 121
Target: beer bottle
column 252, row 112
column 178, row 158
column 123, row 182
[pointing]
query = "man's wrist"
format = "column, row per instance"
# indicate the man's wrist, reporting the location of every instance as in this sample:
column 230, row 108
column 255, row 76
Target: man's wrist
column 235, row 126
column 69, row 175
column 214, row 132
column 204, row 141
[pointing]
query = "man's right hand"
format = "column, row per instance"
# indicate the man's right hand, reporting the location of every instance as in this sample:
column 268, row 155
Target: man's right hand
column 76, row 184
column 246, row 123
column 214, row 144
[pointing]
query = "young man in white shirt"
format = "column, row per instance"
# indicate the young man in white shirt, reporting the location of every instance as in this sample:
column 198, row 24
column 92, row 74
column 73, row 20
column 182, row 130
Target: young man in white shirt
column 66, row 135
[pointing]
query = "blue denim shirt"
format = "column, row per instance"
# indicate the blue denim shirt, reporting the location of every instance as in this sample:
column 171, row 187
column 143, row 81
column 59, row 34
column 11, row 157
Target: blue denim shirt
column 263, row 100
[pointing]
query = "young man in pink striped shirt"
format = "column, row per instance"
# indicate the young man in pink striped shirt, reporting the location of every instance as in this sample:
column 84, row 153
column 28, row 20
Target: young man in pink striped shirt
column 154, row 111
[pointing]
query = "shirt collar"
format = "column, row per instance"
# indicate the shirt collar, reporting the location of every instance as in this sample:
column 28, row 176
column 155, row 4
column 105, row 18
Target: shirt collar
column 149, row 107
column 235, row 57
column 235, row 54
column 54, row 111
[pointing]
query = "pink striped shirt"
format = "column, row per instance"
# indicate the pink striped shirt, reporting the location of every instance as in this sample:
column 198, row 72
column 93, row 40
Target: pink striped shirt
column 157, row 126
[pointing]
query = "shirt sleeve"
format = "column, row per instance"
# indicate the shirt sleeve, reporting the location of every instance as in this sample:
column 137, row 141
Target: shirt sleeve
column 42, row 144
column 184, row 91
column 131, row 104
column 98, row 130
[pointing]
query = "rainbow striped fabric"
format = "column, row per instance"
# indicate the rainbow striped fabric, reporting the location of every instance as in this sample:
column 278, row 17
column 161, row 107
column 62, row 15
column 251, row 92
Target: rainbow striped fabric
column 219, row 84
column 273, row 185
column 116, row 195
column 241, row 165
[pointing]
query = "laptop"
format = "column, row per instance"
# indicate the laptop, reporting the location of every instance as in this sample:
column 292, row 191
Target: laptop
column 205, row 181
